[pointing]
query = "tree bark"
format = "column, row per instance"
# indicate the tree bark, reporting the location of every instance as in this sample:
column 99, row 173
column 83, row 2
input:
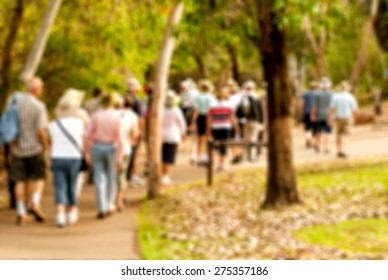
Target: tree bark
column 36, row 54
column 234, row 62
column 156, row 111
column 201, row 66
column 363, row 52
column 7, row 61
column 281, row 179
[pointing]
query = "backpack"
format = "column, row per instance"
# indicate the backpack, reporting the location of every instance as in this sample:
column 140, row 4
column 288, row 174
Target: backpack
column 9, row 122
column 250, row 109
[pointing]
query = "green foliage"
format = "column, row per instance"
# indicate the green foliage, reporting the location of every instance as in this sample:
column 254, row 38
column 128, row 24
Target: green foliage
column 100, row 43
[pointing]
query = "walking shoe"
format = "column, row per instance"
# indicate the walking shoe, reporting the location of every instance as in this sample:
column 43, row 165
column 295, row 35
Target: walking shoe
column 38, row 214
column 72, row 217
column 22, row 220
column 136, row 181
column 101, row 215
column 237, row 159
column 60, row 220
column 342, row 155
column 166, row 181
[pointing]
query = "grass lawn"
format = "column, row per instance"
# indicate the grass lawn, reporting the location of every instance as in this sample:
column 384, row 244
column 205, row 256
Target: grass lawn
column 226, row 222
column 365, row 235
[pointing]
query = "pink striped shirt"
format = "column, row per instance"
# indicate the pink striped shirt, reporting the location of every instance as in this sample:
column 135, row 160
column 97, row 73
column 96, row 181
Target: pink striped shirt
column 104, row 127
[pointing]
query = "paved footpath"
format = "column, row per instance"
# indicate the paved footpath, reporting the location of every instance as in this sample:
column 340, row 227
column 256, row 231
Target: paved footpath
column 116, row 237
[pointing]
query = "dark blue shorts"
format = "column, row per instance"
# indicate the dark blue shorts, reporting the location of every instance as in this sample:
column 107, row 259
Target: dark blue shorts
column 322, row 127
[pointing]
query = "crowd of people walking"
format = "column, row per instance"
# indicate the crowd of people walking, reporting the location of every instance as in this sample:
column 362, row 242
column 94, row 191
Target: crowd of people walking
column 324, row 108
column 100, row 139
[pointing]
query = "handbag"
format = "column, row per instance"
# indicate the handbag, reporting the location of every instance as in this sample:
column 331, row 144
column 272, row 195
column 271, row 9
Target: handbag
column 84, row 166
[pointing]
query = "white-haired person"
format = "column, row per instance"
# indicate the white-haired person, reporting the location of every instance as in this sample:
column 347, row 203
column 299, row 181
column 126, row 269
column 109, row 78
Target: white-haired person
column 67, row 134
column 104, row 151
column 129, row 133
column 319, row 114
column 342, row 109
column 202, row 104
column 221, row 120
column 250, row 116
column 188, row 94
column 173, row 132
column 133, row 89
column 81, row 113
column 235, row 95
column 28, row 165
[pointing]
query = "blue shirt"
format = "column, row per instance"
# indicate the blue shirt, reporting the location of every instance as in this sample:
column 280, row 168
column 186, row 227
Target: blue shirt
column 203, row 101
column 308, row 98
column 344, row 105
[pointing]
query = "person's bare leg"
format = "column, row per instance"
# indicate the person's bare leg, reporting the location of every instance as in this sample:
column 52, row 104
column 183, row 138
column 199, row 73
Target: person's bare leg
column 325, row 142
column 37, row 187
column 20, row 199
column 318, row 142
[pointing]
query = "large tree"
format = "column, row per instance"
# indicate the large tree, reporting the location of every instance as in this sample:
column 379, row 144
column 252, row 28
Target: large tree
column 281, row 181
column 156, row 111
column 7, row 61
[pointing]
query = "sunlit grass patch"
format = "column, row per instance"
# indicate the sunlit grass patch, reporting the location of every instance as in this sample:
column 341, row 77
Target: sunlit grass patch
column 361, row 235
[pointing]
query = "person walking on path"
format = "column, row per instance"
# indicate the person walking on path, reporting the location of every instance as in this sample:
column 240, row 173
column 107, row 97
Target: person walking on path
column 129, row 133
column 28, row 165
column 202, row 103
column 235, row 95
column 250, row 114
column 221, row 120
column 133, row 88
column 188, row 95
column 173, row 132
column 67, row 133
column 306, row 103
column 93, row 105
column 104, row 152
column 77, row 96
column 342, row 109
column 319, row 113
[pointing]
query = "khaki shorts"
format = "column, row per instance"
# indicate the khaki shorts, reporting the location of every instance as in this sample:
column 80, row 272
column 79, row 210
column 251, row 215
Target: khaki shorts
column 342, row 127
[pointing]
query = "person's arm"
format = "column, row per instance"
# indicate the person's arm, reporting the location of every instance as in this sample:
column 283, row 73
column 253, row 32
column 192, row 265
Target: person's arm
column 42, row 129
column 88, row 139
column 194, row 120
column 118, row 140
column 235, row 123
column 44, row 139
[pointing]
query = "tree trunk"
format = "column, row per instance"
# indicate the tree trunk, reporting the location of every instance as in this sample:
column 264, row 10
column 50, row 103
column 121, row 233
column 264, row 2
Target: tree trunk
column 234, row 62
column 363, row 52
column 6, row 64
column 281, row 181
column 201, row 66
column 156, row 111
column 36, row 54
column 319, row 48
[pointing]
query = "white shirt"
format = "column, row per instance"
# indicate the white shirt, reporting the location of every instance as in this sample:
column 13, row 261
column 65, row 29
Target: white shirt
column 344, row 105
column 188, row 98
column 235, row 100
column 125, row 128
column 62, row 147
column 174, row 126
